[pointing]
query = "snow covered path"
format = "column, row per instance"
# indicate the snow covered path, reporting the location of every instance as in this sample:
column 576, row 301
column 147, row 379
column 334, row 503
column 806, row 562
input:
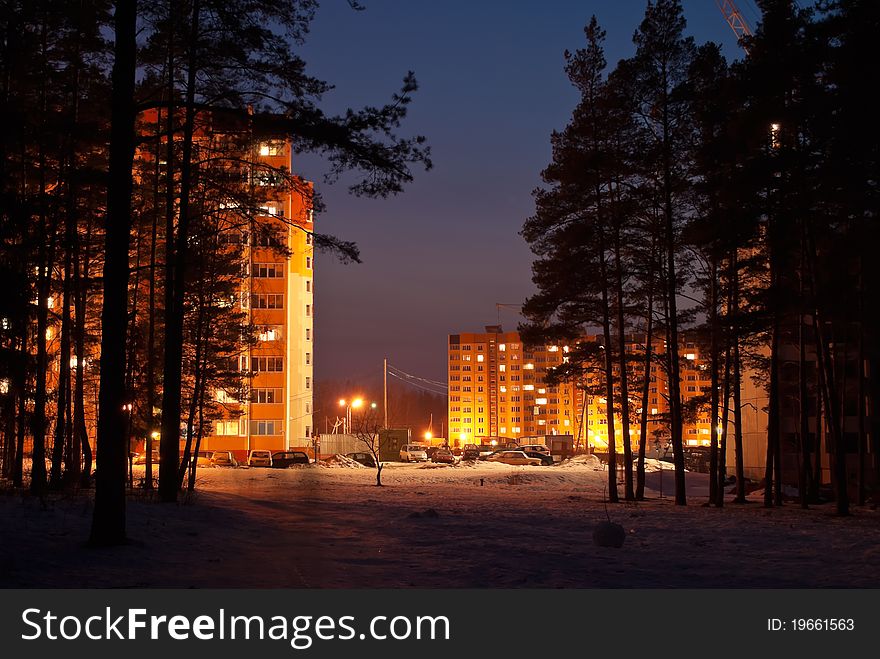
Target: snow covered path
column 321, row 527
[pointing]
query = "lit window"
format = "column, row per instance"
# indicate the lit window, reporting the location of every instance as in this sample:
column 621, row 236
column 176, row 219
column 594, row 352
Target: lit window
column 528, row 387
column 552, row 348
column 264, row 149
column 502, row 389
column 529, row 367
column 690, row 356
column 502, row 368
column 541, row 401
column 502, row 347
column 479, row 358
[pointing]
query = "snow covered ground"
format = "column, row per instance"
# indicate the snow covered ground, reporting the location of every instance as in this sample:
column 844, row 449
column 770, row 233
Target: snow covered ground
column 495, row 526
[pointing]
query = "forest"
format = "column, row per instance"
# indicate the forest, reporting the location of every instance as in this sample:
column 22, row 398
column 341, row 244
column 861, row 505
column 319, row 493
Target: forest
column 736, row 201
column 127, row 173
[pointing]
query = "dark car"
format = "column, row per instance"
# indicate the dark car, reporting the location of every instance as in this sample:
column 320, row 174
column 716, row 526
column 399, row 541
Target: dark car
column 443, row 456
column 284, row 459
column 545, row 459
column 364, row 458
column 470, row 452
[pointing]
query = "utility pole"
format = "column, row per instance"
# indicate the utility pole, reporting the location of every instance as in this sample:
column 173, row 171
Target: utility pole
column 385, row 391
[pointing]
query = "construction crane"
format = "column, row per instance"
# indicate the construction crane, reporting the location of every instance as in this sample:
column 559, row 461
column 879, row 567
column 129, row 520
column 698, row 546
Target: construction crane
column 735, row 20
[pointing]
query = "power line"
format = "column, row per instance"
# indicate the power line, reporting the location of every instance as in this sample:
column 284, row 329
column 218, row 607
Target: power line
column 415, row 384
column 400, row 371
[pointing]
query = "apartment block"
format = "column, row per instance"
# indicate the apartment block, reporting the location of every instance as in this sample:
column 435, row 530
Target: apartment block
column 277, row 294
column 498, row 390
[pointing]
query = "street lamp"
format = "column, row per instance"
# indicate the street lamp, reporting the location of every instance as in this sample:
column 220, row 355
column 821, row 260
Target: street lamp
column 356, row 403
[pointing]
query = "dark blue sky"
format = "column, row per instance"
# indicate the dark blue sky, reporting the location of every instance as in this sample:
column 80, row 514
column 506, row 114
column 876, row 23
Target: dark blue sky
column 492, row 88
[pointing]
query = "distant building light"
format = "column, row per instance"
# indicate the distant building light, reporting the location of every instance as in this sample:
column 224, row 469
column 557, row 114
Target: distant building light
column 690, row 356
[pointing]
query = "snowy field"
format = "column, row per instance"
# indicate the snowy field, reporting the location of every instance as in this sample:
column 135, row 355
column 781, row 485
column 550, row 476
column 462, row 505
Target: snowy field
column 496, row 526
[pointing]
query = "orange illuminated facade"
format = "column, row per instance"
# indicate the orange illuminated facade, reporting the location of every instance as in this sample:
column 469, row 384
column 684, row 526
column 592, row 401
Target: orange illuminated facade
column 277, row 294
column 497, row 390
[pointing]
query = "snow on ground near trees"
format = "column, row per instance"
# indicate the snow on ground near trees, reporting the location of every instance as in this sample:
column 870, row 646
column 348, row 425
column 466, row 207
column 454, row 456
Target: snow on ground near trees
column 330, row 527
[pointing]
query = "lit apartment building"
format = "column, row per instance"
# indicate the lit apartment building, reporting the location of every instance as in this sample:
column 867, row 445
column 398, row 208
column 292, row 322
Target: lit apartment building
column 278, row 295
column 497, row 389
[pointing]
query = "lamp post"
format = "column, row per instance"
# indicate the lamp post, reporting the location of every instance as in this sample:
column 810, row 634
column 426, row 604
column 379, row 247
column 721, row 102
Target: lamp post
column 356, row 403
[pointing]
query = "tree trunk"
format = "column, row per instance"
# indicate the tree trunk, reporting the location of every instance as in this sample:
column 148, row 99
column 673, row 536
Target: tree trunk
column 622, row 365
column 713, row 379
column 646, row 387
column 169, row 446
column 609, row 374
column 108, row 522
column 675, row 413
column 772, row 413
column 725, row 408
column 81, row 267
column 737, row 384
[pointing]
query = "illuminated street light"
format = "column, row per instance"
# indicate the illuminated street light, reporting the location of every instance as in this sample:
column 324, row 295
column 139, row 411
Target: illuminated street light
column 357, row 402
column 428, row 435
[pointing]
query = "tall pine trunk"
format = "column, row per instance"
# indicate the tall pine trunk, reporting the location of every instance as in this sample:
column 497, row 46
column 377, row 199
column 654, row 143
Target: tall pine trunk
column 108, row 522
column 629, row 495
column 171, row 392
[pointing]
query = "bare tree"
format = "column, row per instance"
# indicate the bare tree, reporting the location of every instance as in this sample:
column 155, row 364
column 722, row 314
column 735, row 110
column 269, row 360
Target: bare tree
column 366, row 427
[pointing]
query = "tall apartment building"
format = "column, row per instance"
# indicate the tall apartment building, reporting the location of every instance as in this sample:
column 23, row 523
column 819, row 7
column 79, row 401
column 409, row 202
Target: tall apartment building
column 497, row 389
column 278, row 296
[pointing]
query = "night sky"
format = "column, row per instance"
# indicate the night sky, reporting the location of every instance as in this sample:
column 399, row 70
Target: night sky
column 438, row 257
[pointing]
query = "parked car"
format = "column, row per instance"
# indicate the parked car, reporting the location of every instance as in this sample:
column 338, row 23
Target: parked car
column 202, row 458
column 260, row 459
column 431, row 450
column 223, row 459
column 413, row 453
column 513, row 458
column 545, row 458
column 141, row 458
column 443, row 456
column 284, row 459
column 364, row 458
column 470, row 452
column 535, row 448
